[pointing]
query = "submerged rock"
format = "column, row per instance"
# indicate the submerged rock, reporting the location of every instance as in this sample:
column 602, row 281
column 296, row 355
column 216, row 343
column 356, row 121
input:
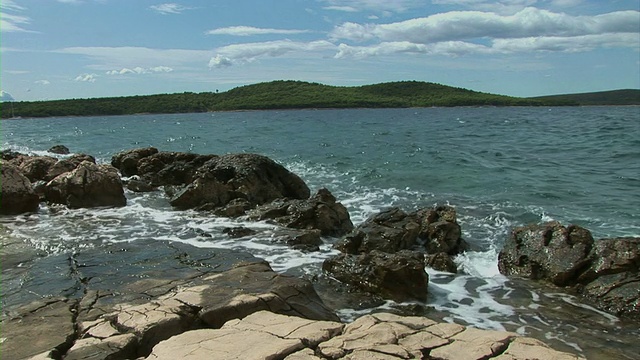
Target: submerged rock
column 17, row 195
column 59, row 149
column 88, row 185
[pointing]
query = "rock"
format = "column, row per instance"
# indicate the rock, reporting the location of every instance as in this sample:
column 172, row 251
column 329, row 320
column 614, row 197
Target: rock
column 59, row 149
column 400, row 276
column 17, row 195
column 441, row 262
column 88, row 185
column 37, row 167
column 127, row 161
column 393, row 230
column 547, row 252
column 67, row 165
column 306, row 241
column 612, row 281
column 320, row 212
column 171, row 168
column 238, row 232
column 252, row 177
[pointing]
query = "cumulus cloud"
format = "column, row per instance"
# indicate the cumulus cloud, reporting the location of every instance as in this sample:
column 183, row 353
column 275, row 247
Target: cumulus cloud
column 464, row 25
column 5, row 96
column 228, row 55
column 86, row 78
column 140, row 70
column 42, row 82
column 169, row 8
column 250, row 30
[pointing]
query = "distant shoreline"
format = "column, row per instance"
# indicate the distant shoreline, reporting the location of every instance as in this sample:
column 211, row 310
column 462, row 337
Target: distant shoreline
column 298, row 95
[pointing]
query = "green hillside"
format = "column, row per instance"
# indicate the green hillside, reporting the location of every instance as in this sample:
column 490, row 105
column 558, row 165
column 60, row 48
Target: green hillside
column 613, row 97
column 275, row 95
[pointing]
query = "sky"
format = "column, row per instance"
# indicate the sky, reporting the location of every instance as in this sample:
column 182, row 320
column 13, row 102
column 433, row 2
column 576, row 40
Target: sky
column 62, row 49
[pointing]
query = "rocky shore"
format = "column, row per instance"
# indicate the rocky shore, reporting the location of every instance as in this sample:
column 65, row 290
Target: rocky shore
column 154, row 299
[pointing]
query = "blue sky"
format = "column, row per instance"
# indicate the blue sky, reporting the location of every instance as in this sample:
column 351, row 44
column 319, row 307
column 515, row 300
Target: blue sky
column 57, row 49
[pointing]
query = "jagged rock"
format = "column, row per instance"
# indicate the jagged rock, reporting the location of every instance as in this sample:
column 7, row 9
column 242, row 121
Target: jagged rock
column 37, row 167
column 321, row 212
column 547, row 252
column 400, row 276
column 393, row 230
column 59, row 149
column 252, row 177
column 612, row 281
column 67, row 165
column 238, row 232
column 88, row 185
column 442, row 262
column 127, row 161
column 16, row 194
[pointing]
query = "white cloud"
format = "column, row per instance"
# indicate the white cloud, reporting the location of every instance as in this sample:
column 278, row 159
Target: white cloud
column 86, row 78
column 250, row 30
column 447, row 48
column 42, row 82
column 466, row 25
column 230, row 54
column 5, row 96
column 140, row 70
column 219, row 61
column 12, row 22
column 10, row 5
column 169, row 8
column 567, row 44
column 384, row 6
column 501, row 6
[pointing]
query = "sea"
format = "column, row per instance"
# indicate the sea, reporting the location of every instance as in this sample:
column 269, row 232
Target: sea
column 500, row 167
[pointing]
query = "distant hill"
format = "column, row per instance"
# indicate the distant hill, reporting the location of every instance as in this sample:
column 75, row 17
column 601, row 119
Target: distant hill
column 280, row 94
column 613, row 97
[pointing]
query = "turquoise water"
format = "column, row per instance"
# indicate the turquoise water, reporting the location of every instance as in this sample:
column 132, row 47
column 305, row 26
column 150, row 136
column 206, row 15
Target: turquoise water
column 500, row 167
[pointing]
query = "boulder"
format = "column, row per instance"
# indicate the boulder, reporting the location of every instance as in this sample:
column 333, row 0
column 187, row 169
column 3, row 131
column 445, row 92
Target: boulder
column 127, row 161
column 88, row 185
column 36, row 168
column 67, row 165
column 548, row 251
column 400, row 276
column 435, row 230
column 17, row 194
column 612, row 281
column 252, row 177
column 320, row 212
column 59, row 149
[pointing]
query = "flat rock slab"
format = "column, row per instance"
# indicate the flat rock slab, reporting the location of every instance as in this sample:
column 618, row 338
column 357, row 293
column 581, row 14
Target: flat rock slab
column 265, row 335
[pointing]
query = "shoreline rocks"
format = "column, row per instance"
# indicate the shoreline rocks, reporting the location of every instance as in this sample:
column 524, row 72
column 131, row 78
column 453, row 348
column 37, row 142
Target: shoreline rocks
column 605, row 272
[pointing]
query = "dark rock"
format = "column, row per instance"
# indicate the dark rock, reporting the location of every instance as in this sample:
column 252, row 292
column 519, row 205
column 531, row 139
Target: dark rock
column 138, row 185
column 9, row 155
column 238, row 232
column 390, row 231
column 233, row 209
column 127, row 161
column 36, row 168
column 440, row 230
column 400, row 276
column 17, row 195
column 59, row 149
column 171, row 168
column 67, row 165
column 442, row 262
column 252, row 177
column 320, row 212
column 88, row 185
column 307, row 241
column 612, row 281
column 547, row 252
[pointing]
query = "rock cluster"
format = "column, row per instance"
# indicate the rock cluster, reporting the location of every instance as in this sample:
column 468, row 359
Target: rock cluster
column 604, row 271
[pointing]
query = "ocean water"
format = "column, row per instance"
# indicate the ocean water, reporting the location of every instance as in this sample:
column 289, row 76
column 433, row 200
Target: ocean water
column 499, row 167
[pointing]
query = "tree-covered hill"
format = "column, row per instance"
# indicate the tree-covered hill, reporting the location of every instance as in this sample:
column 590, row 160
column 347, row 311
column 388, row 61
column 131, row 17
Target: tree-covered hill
column 613, row 97
column 275, row 95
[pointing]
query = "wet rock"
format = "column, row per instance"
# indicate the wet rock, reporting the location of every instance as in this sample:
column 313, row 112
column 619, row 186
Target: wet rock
column 435, row 230
column 88, row 185
column 17, row 194
column 399, row 276
column 59, row 149
column 321, row 212
column 10, row 155
column 238, row 232
column 171, row 168
column 441, row 262
column 612, row 281
column 547, row 252
column 127, row 161
column 252, row 177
